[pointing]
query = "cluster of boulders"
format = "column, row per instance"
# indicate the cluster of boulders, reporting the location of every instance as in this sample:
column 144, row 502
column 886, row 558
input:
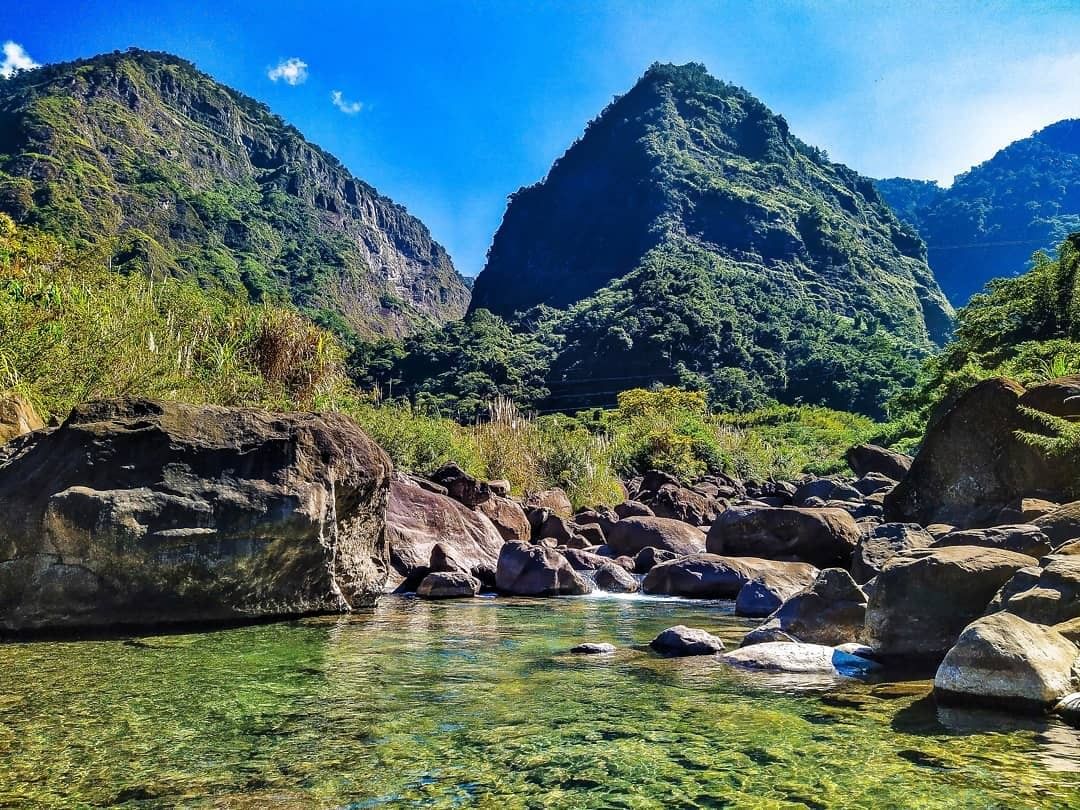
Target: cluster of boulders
column 966, row 557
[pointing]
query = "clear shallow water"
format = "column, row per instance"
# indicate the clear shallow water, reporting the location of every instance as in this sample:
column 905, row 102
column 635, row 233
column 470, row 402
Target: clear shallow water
column 476, row 704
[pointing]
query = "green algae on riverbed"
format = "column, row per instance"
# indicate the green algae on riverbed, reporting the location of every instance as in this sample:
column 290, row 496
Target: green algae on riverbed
column 477, row 704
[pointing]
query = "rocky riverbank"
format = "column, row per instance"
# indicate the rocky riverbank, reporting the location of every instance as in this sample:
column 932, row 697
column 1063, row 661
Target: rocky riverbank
column 964, row 558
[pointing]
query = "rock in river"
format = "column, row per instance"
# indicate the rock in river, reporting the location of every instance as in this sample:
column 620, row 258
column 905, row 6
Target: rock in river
column 681, row 641
column 711, row 576
column 527, row 570
column 137, row 512
column 1004, row 661
column 821, row 537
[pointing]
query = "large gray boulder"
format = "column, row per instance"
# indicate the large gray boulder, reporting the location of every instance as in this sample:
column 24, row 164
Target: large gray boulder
column 138, row 512
column 526, row 570
column 681, row 503
column 630, row 535
column 831, row 611
column 1053, row 598
column 418, row 519
column 1004, row 661
column 615, row 579
column 821, row 537
column 972, row 463
column 711, row 576
column 1021, row 537
column 923, row 599
column 883, row 543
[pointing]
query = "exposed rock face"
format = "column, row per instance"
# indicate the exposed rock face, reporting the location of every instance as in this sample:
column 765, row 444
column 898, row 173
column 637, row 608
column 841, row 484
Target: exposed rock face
column 923, row 599
column 508, row 518
column 822, row 537
column 142, row 512
column 831, row 611
column 865, row 459
column 526, row 570
column 710, row 576
column 417, row 520
column 17, row 417
column 244, row 188
column 448, row 585
column 883, row 543
column 1004, row 661
column 631, row 535
column 681, row 641
column 1022, row 538
column 972, row 464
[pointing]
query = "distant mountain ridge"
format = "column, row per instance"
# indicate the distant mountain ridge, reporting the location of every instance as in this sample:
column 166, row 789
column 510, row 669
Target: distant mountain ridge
column 689, row 238
column 180, row 174
column 994, row 216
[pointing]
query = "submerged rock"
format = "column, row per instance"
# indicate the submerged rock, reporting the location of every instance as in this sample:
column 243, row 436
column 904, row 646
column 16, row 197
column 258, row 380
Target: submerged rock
column 142, row 512
column 796, row 657
column 681, row 641
column 593, row 648
column 1004, row 661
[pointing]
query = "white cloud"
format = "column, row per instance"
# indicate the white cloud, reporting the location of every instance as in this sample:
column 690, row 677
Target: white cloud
column 15, row 59
column 347, row 107
column 291, row 71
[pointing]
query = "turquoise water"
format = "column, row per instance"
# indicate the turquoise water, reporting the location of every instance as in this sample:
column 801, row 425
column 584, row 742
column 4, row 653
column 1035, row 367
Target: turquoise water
column 477, row 704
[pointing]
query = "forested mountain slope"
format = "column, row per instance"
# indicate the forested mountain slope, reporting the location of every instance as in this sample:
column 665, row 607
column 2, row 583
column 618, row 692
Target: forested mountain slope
column 183, row 176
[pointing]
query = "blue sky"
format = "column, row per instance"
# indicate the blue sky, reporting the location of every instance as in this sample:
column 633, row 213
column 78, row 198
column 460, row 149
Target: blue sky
column 448, row 107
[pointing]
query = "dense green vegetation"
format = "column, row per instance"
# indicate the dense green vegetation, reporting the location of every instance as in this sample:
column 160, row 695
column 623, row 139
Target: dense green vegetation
column 688, row 238
column 72, row 330
column 1026, row 327
column 178, row 175
column 994, row 216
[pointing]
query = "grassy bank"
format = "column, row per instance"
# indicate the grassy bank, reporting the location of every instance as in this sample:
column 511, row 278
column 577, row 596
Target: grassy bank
column 72, row 330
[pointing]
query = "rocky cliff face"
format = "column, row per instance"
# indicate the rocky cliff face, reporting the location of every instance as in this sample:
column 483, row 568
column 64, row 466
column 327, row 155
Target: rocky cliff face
column 994, row 216
column 173, row 172
column 683, row 162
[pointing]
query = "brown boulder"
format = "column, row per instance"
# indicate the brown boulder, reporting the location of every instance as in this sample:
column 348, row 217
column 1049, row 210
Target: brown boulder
column 448, row 585
column 822, row 537
column 460, row 485
column 417, row 520
column 529, row 570
column 138, row 512
column 831, row 611
column 710, row 576
column 884, row 542
column 1061, row 524
column 1021, row 537
column 680, row 503
column 865, row 459
column 507, row 516
column 630, row 535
